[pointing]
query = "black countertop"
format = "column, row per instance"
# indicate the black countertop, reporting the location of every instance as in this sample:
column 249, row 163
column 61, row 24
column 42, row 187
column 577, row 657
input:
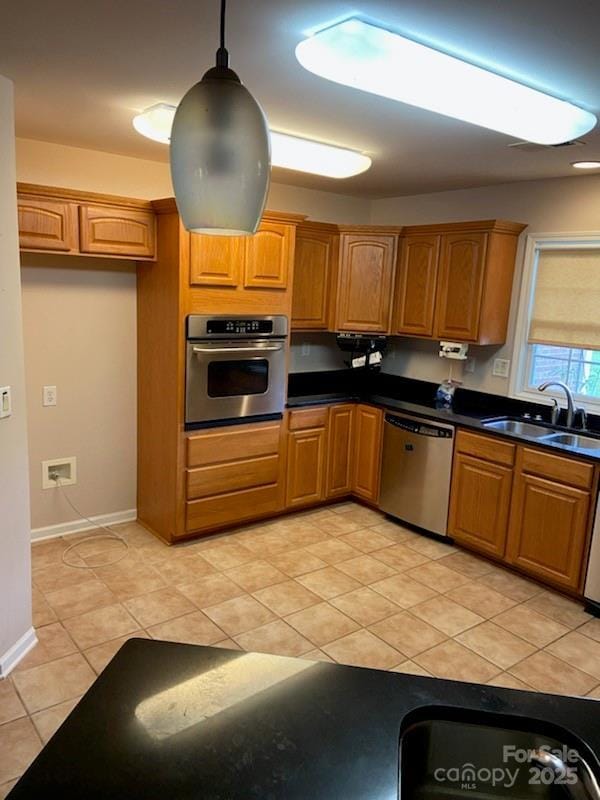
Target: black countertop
column 181, row 721
column 417, row 398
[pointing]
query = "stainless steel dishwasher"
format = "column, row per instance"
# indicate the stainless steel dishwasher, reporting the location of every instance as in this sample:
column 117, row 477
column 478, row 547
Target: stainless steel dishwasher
column 416, row 469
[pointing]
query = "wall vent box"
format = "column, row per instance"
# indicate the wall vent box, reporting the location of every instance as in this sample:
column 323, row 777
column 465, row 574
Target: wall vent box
column 65, row 468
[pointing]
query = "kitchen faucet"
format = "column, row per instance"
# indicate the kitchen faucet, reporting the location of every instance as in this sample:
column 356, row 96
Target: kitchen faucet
column 570, row 404
column 585, row 786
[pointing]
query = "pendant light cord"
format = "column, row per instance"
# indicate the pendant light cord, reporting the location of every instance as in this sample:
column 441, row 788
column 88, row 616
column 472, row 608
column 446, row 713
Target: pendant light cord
column 222, row 54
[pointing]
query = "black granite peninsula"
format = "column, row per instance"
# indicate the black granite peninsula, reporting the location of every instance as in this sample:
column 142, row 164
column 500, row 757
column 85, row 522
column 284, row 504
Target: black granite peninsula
column 181, row 721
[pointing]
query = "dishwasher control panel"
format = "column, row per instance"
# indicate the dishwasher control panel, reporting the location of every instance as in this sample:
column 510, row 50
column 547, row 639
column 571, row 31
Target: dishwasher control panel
column 418, row 427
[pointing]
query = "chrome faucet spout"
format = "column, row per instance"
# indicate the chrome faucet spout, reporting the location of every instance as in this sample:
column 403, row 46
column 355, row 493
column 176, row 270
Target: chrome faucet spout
column 570, row 403
column 585, row 786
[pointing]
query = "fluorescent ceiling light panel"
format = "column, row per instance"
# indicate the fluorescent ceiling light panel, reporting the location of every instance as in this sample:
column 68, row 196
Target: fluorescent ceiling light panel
column 586, row 164
column 307, row 155
column 289, row 152
column 366, row 57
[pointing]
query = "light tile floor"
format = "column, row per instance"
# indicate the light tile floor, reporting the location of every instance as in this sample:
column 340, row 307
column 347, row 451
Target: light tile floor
column 337, row 584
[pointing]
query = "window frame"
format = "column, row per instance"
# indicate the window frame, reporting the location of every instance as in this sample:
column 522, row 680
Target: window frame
column 519, row 381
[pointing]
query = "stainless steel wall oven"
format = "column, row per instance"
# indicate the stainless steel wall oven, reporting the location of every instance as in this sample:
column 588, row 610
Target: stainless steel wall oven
column 235, row 367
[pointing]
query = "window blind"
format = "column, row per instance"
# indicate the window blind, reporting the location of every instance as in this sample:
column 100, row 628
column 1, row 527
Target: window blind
column 566, row 306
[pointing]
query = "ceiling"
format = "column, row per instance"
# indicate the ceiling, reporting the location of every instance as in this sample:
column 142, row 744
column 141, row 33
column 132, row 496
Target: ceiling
column 83, row 69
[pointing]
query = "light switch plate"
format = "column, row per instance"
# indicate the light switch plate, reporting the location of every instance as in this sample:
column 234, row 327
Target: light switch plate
column 5, row 402
column 501, row 367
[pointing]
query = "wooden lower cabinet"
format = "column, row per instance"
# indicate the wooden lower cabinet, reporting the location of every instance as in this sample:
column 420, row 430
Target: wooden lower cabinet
column 366, row 471
column 233, row 474
column 480, row 503
column 548, row 530
column 534, row 516
column 339, row 451
column 305, row 479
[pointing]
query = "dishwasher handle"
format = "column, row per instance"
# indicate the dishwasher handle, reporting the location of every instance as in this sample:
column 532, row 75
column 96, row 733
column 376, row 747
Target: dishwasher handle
column 419, row 428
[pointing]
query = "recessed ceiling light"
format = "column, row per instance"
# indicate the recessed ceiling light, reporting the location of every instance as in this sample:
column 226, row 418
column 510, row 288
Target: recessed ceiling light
column 289, row 152
column 364, row 56
column 586, row 164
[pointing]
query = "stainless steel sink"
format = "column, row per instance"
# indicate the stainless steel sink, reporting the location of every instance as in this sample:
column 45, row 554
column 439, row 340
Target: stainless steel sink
column 516, row 426
column 574, row 440
column 485, row 756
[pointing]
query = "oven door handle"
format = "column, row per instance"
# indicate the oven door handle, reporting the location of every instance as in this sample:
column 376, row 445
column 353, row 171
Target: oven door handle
column 236, row 349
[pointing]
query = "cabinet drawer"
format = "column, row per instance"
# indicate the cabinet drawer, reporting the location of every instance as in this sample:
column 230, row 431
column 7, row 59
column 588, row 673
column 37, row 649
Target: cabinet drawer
column 230, row 444
column 308, row 418
column 557, row 468
column 487, row 447
column 211, row 512
column 219, row 478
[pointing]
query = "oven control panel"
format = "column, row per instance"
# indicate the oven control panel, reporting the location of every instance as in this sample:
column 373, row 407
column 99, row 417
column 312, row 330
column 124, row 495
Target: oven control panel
column 239, row 327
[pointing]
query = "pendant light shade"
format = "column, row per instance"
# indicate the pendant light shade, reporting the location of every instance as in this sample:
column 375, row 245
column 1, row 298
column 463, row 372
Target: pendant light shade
column 220, row 154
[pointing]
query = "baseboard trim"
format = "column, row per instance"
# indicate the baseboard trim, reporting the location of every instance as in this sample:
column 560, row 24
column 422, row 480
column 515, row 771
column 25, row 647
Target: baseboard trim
column 81, row 525
column 19, row 650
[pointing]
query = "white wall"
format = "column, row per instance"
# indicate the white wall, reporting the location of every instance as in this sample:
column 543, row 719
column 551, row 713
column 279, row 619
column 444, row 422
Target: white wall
column 16, row 633
column 557, row 205
column 79, row 328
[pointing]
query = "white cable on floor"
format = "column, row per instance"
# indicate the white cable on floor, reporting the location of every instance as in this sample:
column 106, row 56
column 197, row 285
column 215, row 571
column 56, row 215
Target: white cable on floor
column 110, row 534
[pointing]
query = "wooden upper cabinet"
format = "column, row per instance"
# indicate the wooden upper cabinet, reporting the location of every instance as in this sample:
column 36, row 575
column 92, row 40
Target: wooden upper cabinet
column 455, row 281
column 365, row 282
column 460, row 286
column 47, row 224
column 216, row 260
column 416, row 283
column 105, row 230
column 314, row 264
column 267, row 256
column 368, row 432
column 339, row 451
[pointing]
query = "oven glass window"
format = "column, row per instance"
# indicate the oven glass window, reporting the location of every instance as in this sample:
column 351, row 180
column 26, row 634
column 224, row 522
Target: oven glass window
column 234, row 378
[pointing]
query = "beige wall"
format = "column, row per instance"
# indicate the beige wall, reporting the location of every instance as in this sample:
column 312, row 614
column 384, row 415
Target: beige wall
column 558, row 205
column 80, row 336
column 15, row 569
column 79, row 325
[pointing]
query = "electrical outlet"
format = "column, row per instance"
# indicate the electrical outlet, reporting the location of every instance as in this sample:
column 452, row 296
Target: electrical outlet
column 64, row 468
column 305, row 349
column 501, row 367
column 470, row 365
column 5, row 402
column 49, row 396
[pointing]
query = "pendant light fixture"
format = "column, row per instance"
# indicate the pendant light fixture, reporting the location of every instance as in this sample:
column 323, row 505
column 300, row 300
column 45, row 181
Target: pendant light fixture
column 220, row 153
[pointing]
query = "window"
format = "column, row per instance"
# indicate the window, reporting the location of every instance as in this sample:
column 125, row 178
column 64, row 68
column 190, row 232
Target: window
column 558, row 326
column 579, row 369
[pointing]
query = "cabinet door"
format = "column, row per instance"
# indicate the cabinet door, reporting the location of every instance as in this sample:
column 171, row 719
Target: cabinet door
column 460, row 286
column 416, row 285
column 305, row 467
column 216, row 260
column 47, row 225
column 339, row 451
column 479, row 504
column 365, row 282
column 367, row 452
column 314, row 261
column 112, row 231
column 548, row 529
column 267, row 256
